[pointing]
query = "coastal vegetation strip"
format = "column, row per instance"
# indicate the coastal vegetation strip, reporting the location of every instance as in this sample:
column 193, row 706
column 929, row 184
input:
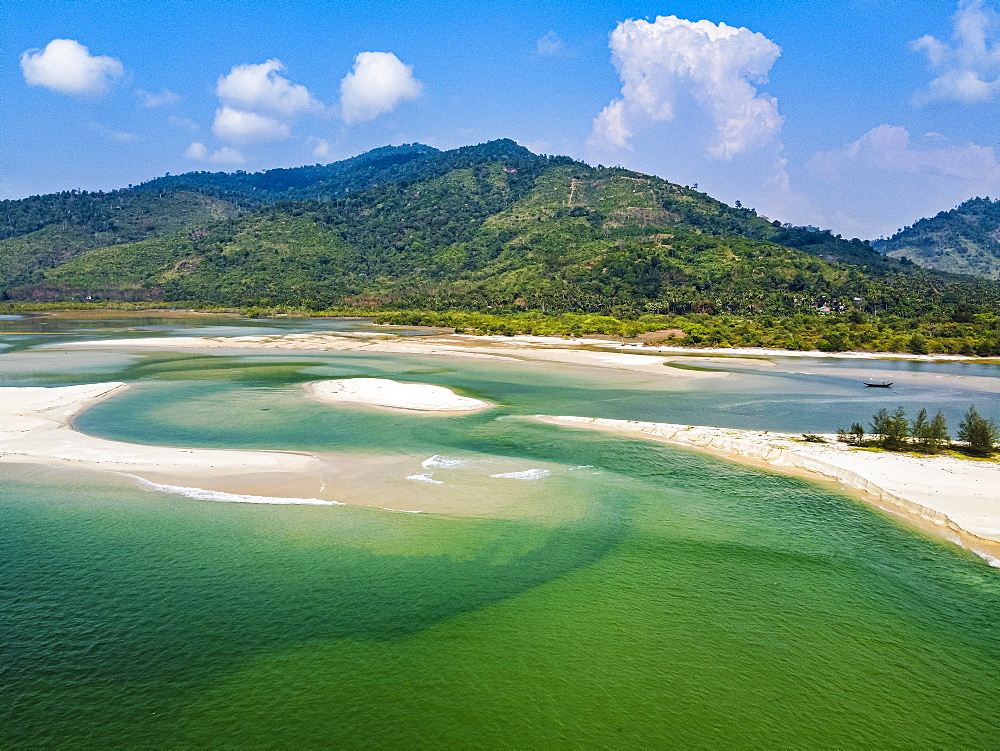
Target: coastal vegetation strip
column 974, row 336
column 537, row 346
column 892, row 431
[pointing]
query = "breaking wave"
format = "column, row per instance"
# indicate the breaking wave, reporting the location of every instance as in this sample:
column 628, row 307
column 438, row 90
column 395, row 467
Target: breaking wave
column 994, row 562
column 426, row 477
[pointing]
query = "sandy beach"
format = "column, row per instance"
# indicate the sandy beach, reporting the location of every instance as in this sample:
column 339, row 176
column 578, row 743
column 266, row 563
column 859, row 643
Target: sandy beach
column 728, row 352
column 954, row 498
column 506, row 348
column 592, row 351
column 394, row 395
column 671, row 367
column 36, row 427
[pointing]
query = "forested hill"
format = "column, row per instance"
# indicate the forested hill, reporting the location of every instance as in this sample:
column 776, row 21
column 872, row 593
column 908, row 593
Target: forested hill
column 965, row 240
column 492, row 226
column 388, row 164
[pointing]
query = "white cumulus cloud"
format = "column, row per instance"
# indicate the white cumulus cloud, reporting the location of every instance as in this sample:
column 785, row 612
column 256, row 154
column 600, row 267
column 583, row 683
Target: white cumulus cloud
column 247, row 127
column 379, row 82
column 968, row 69
column 611, row 126
column 198, row 152
column 889, row 147
column 691, row 110
column 260, row 87
column 539, row 147
column 320, row 147
column 887, row 179
column 667, row 62
column 67, row 67
column 227, row 155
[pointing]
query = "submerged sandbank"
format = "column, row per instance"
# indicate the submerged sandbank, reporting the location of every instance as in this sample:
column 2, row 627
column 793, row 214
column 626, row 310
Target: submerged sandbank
column 36, row 428
column 382, row 392
column 955, row 498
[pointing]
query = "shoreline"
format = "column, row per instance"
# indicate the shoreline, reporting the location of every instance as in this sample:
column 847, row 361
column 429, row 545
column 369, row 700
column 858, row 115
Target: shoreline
column 584, row 340
column 692, row 351
column 36, row 427
column 526, row 345
column 424, row 346
column 953, row 499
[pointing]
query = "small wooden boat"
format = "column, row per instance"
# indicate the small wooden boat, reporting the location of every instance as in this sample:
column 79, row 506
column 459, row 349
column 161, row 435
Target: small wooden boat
column 878, row 384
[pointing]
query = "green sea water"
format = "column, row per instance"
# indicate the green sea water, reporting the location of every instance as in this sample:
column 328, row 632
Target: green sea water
column 642, row 597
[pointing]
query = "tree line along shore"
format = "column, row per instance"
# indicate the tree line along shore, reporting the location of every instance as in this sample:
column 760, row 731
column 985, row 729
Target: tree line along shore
column 968, row 335
column 892, row 431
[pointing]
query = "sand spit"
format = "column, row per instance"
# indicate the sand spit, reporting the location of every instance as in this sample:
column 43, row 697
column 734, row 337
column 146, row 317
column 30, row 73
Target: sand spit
column 35, row 427
column 725, row 352
column 382, row 392
column 592, row 351
column 814, row 353
column 505, row 348
column 954, row 498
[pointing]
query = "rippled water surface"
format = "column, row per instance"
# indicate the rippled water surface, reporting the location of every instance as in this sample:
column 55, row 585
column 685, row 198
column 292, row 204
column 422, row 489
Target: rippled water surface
column 641, row 597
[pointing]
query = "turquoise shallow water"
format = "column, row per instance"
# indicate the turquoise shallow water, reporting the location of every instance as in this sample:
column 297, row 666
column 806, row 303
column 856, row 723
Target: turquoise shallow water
column 654, row 598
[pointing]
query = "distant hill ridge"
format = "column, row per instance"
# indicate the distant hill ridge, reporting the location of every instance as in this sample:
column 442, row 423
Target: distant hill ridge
column 491, row 226
column 964, row 240
column 385, row 164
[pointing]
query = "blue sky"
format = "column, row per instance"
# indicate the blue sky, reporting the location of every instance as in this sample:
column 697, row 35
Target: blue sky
column 857, row 115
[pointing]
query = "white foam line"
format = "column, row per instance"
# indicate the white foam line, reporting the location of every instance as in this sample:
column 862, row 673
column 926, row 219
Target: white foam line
column 528, row 474
column 424, row 478
column 201, row 494
column 441, row 461
column 994, row 562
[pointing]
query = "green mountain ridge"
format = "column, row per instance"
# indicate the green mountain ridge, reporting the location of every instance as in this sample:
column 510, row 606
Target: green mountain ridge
column 964, row 240
column 487, row 227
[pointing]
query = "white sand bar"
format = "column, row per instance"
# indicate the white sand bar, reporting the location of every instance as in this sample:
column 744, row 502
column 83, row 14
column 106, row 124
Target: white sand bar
column 555, row 350
column 958, row 499
column 35, row 428
column 382, row 392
